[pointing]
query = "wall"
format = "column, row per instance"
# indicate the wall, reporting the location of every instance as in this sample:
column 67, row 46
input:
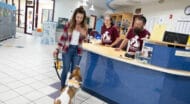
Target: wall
column 128, row 9
column 175, row 7
column 155, row 9
column 43, row 5
column 159, row 14
column 65, row 8
column 2, row 0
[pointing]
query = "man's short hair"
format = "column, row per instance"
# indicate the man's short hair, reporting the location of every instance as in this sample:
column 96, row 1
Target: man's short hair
column 142, row 18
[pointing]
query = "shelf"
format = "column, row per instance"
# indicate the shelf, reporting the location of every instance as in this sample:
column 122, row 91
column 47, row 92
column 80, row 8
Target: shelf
column 123, row 21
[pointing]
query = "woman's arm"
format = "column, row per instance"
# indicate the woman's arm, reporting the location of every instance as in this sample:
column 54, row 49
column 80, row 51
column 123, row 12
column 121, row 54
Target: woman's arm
column 116, row 36
column 116, row 42
column 59, row 45
column 83, row 32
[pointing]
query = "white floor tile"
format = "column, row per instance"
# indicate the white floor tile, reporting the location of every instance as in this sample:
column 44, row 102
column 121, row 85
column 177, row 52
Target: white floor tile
column 78, row 100
column 34, row 95
column 8, row 95
column 37, row 85
column 93, row 100
column 55, row 78
column 50, row 73
column 44, row 100
column 40, row 77
column 47, row 90
column 8, row 79
column 3, row 89
column 26, row 73
column 28, row 80
column 14, row 85
column 31, row 103
column 82, row 95
column 24, row 90
column 18, row 100
column 2, row 75
column 1, row 102
column 49, row 81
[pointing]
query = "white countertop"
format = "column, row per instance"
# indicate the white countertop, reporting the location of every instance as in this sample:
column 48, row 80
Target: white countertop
column 118, row 55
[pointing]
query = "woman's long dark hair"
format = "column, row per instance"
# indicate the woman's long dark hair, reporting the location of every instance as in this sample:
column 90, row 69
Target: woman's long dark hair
column 73, row 20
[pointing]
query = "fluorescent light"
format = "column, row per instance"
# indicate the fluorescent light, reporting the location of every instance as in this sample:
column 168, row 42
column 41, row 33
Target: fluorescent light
column 84, row 3
column 92, row 8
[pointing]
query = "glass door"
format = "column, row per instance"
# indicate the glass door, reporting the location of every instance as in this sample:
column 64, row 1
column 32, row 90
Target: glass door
column 29, row 20
column 29, row 16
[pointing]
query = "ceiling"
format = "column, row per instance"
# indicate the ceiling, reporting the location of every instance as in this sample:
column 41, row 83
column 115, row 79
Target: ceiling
column 121, row 3
column 100, row 4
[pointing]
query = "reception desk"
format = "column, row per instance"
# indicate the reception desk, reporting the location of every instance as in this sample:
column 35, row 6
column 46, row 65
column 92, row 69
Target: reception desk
column 119, row 80
column 169, row 55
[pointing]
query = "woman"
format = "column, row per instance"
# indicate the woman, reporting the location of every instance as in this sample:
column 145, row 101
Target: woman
column 70, row 43
column 109, row 31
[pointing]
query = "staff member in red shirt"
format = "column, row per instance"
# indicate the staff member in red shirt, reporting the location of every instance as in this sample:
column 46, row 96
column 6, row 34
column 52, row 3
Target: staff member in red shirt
column 109, row 31
column 135, row 36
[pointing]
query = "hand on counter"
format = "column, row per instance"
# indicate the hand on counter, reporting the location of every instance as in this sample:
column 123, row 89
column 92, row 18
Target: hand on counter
column 118, row 49
column 108, row 45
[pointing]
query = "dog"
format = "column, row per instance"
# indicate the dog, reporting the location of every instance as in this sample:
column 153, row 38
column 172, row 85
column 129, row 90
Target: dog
column 72, row 85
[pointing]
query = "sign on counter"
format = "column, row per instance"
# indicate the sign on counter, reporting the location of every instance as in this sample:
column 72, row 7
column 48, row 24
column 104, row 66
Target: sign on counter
column 182, row 53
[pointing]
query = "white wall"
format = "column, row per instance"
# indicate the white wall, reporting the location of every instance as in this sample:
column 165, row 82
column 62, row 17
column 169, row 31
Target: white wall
column 175, row 7
column 2, row 0
column 43, row 5
column 65, row 8
column 128, row 9
column 159, row 13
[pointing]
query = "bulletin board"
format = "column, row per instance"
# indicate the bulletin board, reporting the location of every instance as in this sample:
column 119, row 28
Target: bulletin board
column 158, row 32
column 158, row 25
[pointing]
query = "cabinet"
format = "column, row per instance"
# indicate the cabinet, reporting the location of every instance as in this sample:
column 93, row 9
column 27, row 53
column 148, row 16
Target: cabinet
column 7, row 21
column 122, row 21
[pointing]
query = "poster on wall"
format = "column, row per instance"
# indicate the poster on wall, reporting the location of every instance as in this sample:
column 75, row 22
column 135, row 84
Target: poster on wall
column 158, row 32
column 88, row 21
column 62, row 22
column 49, row 31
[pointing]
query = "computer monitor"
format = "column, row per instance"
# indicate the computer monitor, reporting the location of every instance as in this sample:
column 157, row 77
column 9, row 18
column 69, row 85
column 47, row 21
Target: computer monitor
column 173, row 37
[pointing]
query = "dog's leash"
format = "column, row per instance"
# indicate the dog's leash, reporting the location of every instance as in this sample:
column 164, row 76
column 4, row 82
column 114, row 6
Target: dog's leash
column 57, row 65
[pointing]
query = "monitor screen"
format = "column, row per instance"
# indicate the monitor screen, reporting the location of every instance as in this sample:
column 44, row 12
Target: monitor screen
column 173, row 37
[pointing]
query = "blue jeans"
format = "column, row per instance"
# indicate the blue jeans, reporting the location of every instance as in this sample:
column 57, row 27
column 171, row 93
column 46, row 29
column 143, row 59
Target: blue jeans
column 70, row 60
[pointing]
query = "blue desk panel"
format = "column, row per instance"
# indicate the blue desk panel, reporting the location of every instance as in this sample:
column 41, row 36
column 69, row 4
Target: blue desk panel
column 123, row 83
column 164, row 56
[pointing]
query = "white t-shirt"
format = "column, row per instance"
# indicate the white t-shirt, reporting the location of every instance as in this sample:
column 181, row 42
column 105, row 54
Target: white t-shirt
column 75, row 37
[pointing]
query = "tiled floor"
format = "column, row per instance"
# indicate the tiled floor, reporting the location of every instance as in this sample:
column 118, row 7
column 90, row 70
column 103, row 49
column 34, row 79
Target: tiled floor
column 27, row 75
